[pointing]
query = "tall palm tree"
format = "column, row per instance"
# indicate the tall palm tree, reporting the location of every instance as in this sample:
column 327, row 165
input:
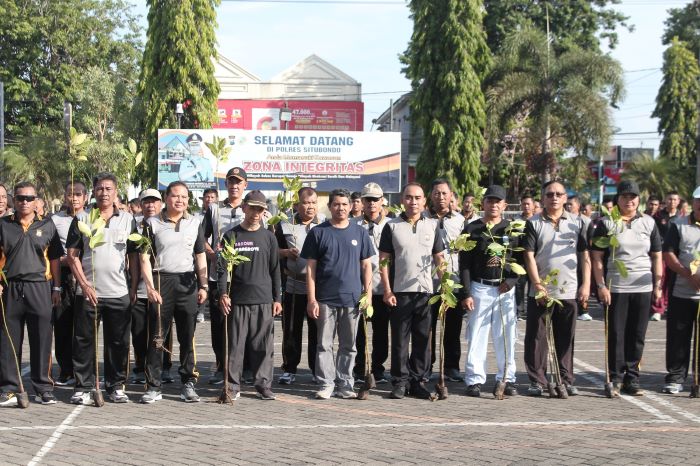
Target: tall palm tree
column 659, row 175
column 564, row 96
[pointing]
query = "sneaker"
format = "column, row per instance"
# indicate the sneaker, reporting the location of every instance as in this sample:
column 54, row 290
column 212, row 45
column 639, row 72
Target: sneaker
column 586, row 317
column 315, row 380
column 345, row 393
column 380, row 378
column 453, row 375
column 474, row 390
column 511, row 389
column 46, row 398
column 82, row 398
column 265, row 394
column 64, row 380
column 398, row 392
column 286, row 379
column 672, row 388
column 151, row 396
column 359, row 379
column 632, row 388
column 139, row 378
column 534, row 389
column 165, row 377
column 325, row 393
column 216, row 379
column 571, row 390
column 188, row 394
column 200, row 317
column 655, row 317
column 118, row 396
column 419, row 391
column 247, row 377
column 8, row 399
column 234, row 394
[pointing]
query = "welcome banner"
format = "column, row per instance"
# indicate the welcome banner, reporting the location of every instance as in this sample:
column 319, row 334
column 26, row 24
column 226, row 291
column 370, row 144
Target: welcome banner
column 325, row 160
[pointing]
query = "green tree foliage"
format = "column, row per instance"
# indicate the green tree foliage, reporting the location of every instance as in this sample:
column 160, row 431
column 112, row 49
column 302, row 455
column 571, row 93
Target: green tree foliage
column 581, row 22
column 561, row 98
column 48, row 45
column 177, row 67
column 677, row 104
column 446, row 60
column 659, row 176
column 684, row 23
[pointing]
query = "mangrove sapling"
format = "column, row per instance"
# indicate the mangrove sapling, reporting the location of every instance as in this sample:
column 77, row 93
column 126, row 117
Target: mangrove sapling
column 367, row 311
column 612, row 242
column 22, row 397
column 555, row 387
column 447, row 300
column 232, row 257
column 503, row 252
column 96, row 234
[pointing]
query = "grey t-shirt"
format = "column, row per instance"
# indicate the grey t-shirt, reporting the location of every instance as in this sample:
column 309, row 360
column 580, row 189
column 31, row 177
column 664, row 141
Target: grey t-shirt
column 637, row 239
column 682, row 239
column 374, row 228
column 556, row 247
column 218, row 219
column 175, row 244
column 292, row 235
column 412, row 247
column 109, row 259
column 451, row 225
column 63, row 221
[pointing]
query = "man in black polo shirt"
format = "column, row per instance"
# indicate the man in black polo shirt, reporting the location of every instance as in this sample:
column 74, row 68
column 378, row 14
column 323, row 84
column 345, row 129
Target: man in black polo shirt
column 26, row 241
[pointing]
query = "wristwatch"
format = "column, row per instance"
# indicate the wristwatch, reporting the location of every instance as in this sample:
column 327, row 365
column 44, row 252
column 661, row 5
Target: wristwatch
column 204, row 287
column 57, row 288
column 601, row 286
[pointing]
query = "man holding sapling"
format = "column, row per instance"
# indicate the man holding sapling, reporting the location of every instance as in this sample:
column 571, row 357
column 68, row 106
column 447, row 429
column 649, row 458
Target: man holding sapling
column 337, row 254
column 252, row 298
column 554, row 241
column 488, row 273
column 98, row 247
column 413, row 245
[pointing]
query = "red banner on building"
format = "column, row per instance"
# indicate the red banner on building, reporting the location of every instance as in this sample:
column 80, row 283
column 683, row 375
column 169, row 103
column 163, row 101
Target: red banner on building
column 305, row 115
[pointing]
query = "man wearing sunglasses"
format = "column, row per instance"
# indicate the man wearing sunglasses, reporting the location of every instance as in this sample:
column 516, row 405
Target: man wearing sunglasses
column 554, row 240
column 27, row 241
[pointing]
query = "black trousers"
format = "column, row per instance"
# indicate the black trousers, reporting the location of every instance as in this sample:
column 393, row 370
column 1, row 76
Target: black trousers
column 681, row 319
column 250, row 331
column 115, row 313
column 139, row 337
column 410, row 322
column 63, row 324
column 452, row 339
column 628, row 318
column 216, row 323
column 536, row 349
column 26, row 303
column 179, row 293
column 293, row 318
column 380, row 339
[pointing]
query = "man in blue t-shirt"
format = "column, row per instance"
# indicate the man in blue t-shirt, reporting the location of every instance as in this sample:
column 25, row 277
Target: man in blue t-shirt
column 337, row 253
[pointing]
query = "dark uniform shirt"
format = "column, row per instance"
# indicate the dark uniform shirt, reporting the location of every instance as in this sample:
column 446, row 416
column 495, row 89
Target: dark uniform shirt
column 28, row 252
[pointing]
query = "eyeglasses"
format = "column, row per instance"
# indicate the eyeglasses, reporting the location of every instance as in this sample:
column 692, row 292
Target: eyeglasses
column 23, row 198
column 551, row 194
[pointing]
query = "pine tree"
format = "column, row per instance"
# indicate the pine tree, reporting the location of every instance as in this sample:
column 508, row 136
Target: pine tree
column 177, row 67
column 446, row 60
column 677, row 104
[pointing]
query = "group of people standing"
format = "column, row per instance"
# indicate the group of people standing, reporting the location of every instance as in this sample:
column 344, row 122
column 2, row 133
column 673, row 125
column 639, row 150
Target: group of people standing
column 65, row 274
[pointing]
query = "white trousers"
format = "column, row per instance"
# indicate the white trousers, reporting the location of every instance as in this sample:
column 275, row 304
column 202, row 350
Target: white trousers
column 486, row 319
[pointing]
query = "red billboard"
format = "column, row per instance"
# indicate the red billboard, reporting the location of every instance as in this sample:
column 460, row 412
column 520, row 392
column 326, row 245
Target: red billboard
column 305, row 115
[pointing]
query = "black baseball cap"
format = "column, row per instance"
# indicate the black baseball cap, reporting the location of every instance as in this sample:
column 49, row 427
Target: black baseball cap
column 237, row 172
column 499, row 192
column 628, row 187
column 256, row 199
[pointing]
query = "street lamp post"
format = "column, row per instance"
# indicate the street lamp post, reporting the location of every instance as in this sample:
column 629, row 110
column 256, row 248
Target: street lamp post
column 179, row 111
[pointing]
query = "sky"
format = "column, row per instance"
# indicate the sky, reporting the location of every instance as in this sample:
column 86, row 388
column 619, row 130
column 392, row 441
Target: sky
column 364, row 38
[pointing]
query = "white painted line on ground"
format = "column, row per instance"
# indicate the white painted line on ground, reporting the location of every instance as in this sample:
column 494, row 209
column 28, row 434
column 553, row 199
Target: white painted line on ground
column 664, row 402
column 51, row 442
column 388, row 425
column 634, row 400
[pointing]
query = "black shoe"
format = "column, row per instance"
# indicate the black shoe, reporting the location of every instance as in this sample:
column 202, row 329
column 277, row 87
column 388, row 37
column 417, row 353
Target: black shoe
column 632, row 388
column 511, row 389
column 474, row 390
column 398, row 392
column 418, row 390
column 453, row 375
column 165, row 377
column 46, row 398
column 380, row 378
column 247, row 377
column 65, row 380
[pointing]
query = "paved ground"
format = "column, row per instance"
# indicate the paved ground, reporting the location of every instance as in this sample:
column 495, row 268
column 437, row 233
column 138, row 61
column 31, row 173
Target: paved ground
column 296, row 429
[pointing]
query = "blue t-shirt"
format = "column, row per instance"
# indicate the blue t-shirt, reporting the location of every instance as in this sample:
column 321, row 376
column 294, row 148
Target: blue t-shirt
column 338, row 252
